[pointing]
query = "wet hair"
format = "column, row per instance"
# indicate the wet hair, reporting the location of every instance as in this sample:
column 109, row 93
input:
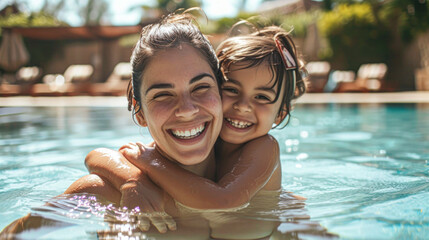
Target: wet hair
column 260, row 47
column 170, row 32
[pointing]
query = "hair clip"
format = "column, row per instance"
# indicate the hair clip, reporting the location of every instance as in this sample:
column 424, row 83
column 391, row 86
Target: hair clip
column 286, row 56
column 288, row 61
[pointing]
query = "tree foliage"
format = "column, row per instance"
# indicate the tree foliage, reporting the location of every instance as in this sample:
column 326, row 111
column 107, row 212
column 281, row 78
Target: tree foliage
column 368, row 31
column 354, row 36
column 21, row 19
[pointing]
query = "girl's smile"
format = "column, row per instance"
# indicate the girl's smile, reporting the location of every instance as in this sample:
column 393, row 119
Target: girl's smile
column 237, row 124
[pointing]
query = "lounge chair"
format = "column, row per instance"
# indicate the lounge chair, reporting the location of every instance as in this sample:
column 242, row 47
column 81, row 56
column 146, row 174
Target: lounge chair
column 117, row 82
column 339, row 81
column 370, row 78
column 9, row 86
column 318, row 74
column 74, row 81
column 52, row 85
column 27, row 77
column 21, row 83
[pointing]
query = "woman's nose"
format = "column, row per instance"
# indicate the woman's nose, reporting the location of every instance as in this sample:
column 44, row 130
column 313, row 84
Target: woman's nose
column 186, row 108
column 242, row 106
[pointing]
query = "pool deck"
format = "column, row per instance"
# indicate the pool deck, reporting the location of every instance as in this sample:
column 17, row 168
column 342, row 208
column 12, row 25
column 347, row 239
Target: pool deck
column 396, row 97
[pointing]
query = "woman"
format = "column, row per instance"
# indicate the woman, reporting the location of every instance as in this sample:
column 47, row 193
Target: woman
column 172, row 54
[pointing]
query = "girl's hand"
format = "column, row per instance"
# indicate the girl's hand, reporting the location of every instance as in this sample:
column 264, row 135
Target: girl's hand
column 146, row 202
column 141, row 155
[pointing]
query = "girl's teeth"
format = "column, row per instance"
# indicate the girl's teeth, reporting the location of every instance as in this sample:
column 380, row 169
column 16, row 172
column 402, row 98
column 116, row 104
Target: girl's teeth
column 238, row 124
column 188, row 134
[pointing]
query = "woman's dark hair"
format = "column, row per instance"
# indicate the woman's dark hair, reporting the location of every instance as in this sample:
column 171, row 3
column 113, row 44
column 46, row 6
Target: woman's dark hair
column 260, row 47
column 170, row 32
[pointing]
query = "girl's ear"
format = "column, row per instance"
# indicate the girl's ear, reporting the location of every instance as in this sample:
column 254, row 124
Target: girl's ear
column 282, row 115
column 139, row 115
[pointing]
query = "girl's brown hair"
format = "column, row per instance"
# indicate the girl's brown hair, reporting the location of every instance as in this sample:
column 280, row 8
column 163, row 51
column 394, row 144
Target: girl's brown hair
column 260, row 47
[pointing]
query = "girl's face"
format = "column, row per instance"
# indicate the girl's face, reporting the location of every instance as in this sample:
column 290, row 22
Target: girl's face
column 181, row 104
column 246, row 98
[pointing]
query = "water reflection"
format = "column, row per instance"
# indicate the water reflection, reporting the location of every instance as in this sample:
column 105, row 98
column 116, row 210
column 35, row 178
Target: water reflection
column 269, row 215
column 363, row 169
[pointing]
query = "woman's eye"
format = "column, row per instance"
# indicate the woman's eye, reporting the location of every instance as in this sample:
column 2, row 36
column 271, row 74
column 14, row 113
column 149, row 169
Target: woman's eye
column 201, row 87
column 160, row 96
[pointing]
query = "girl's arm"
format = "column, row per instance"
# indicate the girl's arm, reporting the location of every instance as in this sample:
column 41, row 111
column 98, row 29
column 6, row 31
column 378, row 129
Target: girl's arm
column 135, row 189
column 257, row 162
column 111, row 165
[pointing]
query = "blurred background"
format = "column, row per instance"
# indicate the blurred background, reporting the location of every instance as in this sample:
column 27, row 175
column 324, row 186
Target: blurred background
column 82, row 47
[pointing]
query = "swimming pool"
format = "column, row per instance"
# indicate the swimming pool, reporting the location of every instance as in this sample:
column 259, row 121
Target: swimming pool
column 362, row 167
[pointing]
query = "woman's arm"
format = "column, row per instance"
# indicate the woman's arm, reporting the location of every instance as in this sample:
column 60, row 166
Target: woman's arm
column 253, row 169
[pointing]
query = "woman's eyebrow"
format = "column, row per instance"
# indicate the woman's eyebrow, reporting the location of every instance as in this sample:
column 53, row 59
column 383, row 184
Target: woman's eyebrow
column 199, row 77
column 168, row 85
column 159, row 86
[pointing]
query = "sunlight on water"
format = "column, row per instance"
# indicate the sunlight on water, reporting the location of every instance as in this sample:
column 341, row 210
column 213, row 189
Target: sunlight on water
column 363, row 169
column 365, row 175
column 280, row 214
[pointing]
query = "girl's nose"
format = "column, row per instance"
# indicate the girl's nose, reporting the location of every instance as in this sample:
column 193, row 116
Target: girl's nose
column 242, row 106
column 186, row 108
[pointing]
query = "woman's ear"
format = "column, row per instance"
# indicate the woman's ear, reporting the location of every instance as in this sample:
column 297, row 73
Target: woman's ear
column 139, row 115
column 140, row 119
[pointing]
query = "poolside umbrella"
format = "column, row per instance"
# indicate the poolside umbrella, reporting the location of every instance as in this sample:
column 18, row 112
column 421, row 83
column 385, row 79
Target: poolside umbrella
column 13, row 53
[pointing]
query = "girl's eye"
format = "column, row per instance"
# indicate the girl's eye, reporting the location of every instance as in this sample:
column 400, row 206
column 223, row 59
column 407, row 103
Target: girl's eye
column 263, row 98
column 230, row 90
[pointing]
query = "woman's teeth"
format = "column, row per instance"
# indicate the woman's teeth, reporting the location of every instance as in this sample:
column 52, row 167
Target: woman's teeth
column 238, row 124
column 188, row 134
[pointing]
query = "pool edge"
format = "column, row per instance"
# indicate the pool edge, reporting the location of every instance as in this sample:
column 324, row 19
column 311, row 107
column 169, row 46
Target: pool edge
column 110, row 101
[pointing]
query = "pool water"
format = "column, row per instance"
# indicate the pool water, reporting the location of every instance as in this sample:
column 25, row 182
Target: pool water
column 362, row 167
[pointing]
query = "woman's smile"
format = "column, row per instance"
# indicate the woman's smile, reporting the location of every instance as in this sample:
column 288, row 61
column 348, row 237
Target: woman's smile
column 189, row 133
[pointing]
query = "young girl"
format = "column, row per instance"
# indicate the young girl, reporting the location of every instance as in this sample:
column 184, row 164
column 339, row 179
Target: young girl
column 262, row 77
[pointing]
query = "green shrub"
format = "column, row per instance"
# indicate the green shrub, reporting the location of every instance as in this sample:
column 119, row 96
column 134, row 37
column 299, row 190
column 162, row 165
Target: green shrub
column 354, row 36
column 223, row 25
column 40, row 51
column 299, row 22
column 29, row 20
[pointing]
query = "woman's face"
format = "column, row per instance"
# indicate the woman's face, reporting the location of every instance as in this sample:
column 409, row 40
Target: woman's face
column 181, row 104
